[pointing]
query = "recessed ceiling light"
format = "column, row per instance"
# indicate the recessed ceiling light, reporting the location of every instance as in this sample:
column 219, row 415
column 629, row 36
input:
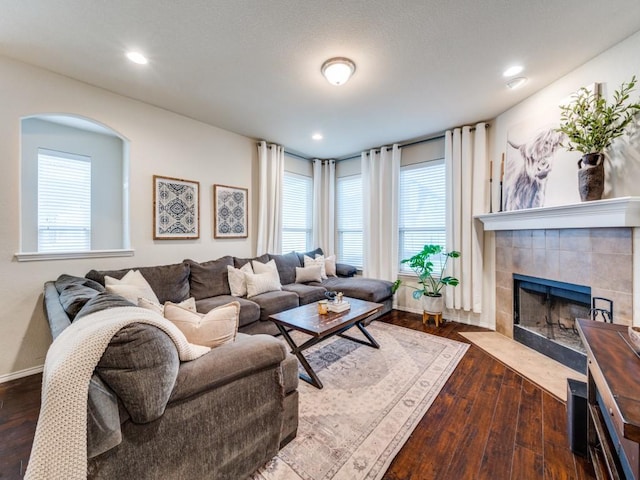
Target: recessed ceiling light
column 516, row 82
column 511, row 71
column 317, row 136
column 338, row 70
column 137, row 57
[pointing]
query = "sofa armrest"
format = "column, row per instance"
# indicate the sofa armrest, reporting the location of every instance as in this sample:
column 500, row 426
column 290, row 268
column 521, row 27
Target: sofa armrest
column 56, row 316
column 140, row 365
column 227, row 363
column 345, row 270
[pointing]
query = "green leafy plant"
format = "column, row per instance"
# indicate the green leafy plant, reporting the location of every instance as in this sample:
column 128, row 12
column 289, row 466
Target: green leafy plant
column 591, row 123
column 431, row 281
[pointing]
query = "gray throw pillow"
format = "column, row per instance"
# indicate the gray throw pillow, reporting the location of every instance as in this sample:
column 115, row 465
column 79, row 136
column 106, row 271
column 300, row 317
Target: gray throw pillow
column 170, row 283
column 210, row 279
column 102, row 301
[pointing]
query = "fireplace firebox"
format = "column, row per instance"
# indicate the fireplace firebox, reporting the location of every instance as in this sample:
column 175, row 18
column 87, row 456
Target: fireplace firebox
column 545, row 313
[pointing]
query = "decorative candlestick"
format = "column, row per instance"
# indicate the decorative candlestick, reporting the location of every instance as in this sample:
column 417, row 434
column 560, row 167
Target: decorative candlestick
column 490, row 186
column 501, row 179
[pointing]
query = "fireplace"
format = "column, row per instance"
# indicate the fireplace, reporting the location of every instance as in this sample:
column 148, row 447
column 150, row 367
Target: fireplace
column 544, row 316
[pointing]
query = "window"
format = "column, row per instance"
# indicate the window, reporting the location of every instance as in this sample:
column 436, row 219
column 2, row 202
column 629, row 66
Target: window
column 64, row 202
column 297, row 214
column 72, row 205
column 349, row 219
column 422, row 208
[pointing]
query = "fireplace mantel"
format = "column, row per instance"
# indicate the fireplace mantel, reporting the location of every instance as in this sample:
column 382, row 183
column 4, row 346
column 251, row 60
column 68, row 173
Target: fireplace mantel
column 612, row 212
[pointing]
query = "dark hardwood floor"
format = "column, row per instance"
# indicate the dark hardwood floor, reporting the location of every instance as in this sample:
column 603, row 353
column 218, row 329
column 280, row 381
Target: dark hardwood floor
column 487, row 423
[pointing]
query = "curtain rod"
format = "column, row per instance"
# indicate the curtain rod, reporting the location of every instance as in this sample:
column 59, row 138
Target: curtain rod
column 402, row 145
column 291, row 154
column 408, row 144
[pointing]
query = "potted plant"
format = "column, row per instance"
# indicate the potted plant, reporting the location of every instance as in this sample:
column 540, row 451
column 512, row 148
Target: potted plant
column 590, row 124
column 431, row 280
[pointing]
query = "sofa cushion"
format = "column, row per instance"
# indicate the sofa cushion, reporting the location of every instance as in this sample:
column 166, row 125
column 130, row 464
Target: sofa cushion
column 211, row 329
column 140, row 365
column 369, row 289
column 210, row 278
column 239, row 262
column 169, row 282
column 102, row 301
column 345, row 270
column 306, row 293
column 242, row 358
column 275, row 302
column 64, row 280
column 132, row 287
column 312, row 254
column 258, row 283
column 249, row 311
column 309, row 274
column 286, row 265
column 75, row 292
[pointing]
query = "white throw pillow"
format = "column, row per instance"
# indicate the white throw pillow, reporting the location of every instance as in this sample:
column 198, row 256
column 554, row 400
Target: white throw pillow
column 132, row 287
column 309, row 274
column 329, row 265
column 319, row 260
column 258, row 283
column 259, row 267
column 237, row 281
column 189, row 304
column 215, row 328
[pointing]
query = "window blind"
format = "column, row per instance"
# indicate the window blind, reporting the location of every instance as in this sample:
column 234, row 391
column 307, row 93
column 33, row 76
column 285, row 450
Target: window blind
column 349, row 219
column 64, row 202
column 297, row 214
column 422, row 213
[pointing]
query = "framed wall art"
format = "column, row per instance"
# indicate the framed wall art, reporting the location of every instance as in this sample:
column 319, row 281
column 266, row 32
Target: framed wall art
column 230, row 212
column 176, row 208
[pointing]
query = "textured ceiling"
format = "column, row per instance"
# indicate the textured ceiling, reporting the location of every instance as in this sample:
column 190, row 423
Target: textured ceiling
column 253, row 66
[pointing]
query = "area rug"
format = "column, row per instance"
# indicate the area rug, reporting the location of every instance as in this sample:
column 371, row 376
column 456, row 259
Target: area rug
column 371, row 402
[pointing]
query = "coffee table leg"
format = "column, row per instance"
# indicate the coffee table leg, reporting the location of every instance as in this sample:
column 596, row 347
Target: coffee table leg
column 371, row 343
column 311, row 378
column 366, row 333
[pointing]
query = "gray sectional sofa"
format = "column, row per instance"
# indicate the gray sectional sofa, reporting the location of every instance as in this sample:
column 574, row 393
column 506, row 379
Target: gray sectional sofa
column 221, row 416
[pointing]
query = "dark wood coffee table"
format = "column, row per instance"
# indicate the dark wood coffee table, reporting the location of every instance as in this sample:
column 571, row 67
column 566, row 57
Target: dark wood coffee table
column 306, row 319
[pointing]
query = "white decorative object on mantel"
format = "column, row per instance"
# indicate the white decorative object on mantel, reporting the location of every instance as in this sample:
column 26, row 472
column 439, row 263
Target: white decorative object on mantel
column 612, row 212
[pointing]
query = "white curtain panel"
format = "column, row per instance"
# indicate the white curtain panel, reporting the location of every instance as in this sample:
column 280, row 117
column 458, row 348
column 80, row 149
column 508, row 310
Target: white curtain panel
column 466, row 169
column 271, row 171
column 324, row 197
column 380, row 190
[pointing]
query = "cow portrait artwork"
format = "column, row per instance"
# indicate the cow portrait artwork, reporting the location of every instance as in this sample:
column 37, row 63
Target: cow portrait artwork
column 527, row 169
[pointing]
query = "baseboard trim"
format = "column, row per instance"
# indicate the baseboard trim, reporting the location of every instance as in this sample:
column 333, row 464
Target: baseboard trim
column 447, row 316
column 21, row 373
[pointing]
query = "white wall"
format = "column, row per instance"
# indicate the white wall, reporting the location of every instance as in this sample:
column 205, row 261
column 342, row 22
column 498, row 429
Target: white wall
column 161, row 143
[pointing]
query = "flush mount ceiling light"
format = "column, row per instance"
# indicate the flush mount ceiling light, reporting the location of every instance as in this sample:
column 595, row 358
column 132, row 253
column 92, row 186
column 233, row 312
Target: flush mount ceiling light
column 516, row 82
column 511, row 71
column 338, row 70
column 137, row 57
column 317, row 136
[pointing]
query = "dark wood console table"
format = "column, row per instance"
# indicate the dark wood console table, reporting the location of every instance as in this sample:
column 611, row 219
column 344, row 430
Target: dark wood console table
column 613, row 427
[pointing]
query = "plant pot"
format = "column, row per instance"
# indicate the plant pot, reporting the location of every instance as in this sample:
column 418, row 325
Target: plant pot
column 591, row 176
column 433, row 305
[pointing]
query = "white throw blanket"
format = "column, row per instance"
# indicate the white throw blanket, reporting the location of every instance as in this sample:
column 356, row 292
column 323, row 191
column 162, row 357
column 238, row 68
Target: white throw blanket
column 60, row 444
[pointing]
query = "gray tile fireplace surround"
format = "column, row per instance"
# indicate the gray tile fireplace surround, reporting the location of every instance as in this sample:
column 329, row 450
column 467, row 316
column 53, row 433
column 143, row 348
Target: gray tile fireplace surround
column 601, row 258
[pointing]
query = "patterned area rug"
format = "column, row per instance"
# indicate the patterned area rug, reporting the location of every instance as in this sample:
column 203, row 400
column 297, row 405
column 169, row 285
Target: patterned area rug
column 371, row 402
